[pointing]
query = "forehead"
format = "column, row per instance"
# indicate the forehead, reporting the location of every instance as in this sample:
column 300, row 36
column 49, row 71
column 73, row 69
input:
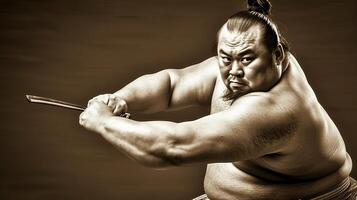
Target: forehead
column 239, row 40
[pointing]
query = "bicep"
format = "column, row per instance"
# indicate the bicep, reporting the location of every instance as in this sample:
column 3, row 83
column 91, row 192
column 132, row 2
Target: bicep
column 194, row 84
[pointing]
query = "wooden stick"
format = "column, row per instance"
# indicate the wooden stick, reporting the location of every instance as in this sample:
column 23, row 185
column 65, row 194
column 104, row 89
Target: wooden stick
column 63, row 104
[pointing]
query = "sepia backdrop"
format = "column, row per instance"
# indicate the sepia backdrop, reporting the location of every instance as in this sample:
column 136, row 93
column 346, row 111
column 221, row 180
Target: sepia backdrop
column 75, row 49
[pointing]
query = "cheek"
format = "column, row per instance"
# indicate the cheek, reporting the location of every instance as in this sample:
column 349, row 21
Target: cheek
column 256, row 73
column 222, row 67
column 260, row 78
column 224, row 73
column 260, row 66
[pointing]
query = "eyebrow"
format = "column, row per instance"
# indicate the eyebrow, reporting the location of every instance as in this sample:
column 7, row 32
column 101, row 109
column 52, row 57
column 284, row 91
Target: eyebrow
column 245, row 51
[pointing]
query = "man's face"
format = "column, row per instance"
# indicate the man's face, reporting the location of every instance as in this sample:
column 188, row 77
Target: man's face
column 246, row 64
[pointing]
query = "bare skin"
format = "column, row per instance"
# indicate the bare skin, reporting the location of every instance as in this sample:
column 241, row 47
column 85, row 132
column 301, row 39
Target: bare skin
column 271, row 139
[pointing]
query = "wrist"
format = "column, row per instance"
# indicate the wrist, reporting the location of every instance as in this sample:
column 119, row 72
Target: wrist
column 103, row 123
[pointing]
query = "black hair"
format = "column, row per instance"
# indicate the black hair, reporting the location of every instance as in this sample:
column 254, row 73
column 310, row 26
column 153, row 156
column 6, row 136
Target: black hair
column 258, row 13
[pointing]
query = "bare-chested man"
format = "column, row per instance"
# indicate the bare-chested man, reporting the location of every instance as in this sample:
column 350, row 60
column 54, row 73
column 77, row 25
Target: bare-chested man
column 267, row 136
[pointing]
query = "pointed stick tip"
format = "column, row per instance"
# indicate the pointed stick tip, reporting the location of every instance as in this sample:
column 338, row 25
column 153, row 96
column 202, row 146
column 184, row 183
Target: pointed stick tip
column 28, row 97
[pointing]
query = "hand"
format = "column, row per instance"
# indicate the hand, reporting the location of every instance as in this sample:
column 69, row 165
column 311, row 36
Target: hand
column 116, row 104
column 93, row 117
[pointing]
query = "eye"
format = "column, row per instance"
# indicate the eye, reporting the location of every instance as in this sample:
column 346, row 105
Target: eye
column 226, row 60
column 247, row 60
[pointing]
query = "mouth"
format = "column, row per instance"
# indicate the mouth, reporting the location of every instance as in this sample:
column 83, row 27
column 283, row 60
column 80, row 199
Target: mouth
column 234, row 79
column 237, row 82
column 237, row 85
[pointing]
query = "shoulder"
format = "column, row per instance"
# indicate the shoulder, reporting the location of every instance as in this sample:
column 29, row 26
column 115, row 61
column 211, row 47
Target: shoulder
column 259, row 104
column 274, row 121
column 207, row 69
column 263, row 102
column 195, row 83
column 208, row 66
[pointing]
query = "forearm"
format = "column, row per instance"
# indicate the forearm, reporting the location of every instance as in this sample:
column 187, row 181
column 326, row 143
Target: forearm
column 146, row 142
column 148, row 93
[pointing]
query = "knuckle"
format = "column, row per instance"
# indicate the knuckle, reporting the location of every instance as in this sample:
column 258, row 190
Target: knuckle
column 111, row 100
column 106, row 99
column 121, row 103
column 112, row 97
column 82, row 115
column 89, row 102
column 100, row 98
column 81, row 119
column 116, row 98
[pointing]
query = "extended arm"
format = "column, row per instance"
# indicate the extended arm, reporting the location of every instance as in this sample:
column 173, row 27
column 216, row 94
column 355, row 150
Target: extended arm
column 251, row 128
column 171, row 88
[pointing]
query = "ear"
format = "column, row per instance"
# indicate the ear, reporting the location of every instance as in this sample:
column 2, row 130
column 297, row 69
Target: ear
column 279, row 54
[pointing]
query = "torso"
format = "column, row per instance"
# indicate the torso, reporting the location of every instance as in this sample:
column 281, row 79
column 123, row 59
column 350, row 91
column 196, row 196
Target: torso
column 293, row 172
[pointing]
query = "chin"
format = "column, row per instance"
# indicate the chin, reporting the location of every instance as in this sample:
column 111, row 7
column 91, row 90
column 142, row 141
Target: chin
column 230, row 94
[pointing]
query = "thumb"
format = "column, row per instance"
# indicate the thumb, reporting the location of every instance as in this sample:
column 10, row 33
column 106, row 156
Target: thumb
column 120, row 107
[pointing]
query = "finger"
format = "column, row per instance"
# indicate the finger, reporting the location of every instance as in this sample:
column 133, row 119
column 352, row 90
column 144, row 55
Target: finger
column 90, row 102
column 81, row 119
column 112, row 102
column 106, row 99
column 101, row 98
column 120, row 107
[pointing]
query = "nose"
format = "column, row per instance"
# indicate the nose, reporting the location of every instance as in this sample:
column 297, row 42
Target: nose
column 236, row 70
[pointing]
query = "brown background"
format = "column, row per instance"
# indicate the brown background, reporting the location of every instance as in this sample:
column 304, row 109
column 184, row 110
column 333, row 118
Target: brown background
column 73, row 50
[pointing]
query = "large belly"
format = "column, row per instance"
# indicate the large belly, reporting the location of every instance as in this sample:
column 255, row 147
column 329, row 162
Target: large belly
column 226, row 181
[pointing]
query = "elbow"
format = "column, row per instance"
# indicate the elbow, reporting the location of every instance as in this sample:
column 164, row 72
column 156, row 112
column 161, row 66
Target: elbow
column 160, row 163
column 172, row 158
column 162, row 158
column 167, row 148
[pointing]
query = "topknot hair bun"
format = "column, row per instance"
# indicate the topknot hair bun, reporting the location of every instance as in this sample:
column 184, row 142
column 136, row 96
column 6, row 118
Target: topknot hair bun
column 261, row 6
